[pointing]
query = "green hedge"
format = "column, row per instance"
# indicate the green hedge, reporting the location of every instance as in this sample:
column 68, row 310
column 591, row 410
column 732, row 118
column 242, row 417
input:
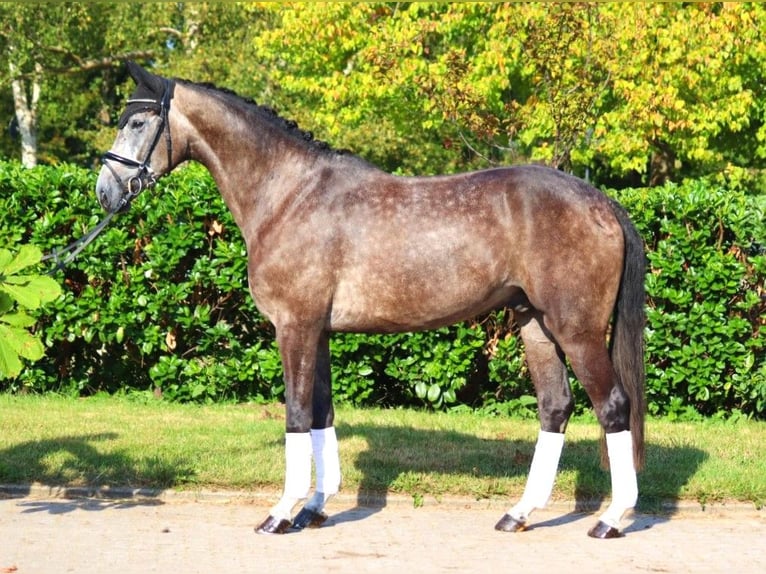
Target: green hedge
column 705, row 339
column 159, row 304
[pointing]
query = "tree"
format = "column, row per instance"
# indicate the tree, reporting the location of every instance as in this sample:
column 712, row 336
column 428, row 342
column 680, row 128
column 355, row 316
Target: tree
column 63, row 64
column 685, row 93
column 390, row 81
column 55, row 55
column 215, row 42
column 627, row 90
column 626, row 93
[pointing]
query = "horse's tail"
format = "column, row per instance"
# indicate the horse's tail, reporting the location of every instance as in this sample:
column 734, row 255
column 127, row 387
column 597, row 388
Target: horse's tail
column 626, row 346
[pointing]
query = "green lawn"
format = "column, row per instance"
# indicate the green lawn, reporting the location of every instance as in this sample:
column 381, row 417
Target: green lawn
column 119, row 442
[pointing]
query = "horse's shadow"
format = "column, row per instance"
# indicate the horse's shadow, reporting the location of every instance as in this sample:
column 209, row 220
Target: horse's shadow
column 29, row 463
column 396, row 459
column 386, row 465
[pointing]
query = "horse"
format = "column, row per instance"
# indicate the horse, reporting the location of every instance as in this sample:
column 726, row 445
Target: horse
column 335, row 244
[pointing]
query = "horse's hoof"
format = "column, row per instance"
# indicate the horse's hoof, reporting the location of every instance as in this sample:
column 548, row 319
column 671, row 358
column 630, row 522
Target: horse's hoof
column 307, row 518
column 603, row 531
column 509, row 524
column 273, row 526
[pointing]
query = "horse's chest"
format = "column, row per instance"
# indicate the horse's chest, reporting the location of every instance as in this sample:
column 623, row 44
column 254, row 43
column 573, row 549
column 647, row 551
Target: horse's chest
column 289, row 282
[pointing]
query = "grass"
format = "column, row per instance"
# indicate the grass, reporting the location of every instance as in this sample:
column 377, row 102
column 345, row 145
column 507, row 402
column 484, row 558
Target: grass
column 110, row 442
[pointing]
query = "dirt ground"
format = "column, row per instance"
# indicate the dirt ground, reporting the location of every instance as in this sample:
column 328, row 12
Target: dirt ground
column 214, row 534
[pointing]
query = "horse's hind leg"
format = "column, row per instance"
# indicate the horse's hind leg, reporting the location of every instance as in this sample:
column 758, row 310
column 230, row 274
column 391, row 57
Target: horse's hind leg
column 593, row 367
column 555, row 403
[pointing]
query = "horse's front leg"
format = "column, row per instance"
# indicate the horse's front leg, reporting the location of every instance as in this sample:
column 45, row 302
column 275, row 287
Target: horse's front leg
column 298, row 350
column 324, row 443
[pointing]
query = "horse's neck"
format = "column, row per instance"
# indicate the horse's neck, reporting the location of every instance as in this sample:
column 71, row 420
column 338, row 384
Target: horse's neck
column 246, row 160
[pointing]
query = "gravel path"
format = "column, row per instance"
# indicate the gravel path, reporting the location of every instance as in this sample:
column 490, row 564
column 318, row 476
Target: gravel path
column 52, row 535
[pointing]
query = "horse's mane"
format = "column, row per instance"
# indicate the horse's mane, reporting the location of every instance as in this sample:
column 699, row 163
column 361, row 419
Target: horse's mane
column 272, row 116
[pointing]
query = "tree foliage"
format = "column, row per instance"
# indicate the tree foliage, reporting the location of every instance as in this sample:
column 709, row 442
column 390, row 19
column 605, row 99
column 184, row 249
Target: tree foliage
column 619, row 92
column 624, row 89
column 72, row 54
column 65, row 53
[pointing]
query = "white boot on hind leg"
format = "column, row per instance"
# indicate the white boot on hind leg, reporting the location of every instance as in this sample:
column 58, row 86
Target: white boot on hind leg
column 542, row 475
column 624, row 485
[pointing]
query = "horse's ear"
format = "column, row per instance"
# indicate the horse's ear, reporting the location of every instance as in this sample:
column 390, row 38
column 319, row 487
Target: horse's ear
column 144, row 78
column 148, row 95
column 137, row 72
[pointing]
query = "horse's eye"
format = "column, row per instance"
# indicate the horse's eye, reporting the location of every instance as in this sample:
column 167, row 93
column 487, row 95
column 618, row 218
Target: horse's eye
column 136, row 124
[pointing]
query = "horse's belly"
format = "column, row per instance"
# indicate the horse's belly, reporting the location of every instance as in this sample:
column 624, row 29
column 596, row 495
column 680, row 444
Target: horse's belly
column 413, row 307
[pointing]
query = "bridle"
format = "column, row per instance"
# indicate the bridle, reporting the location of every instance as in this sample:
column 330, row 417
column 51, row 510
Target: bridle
column 144, row 177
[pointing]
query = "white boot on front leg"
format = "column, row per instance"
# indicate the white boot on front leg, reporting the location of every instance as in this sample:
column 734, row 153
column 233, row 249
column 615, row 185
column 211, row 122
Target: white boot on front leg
column 327, row 463
column 624, row 485
column 542, row 475
column 297, row 483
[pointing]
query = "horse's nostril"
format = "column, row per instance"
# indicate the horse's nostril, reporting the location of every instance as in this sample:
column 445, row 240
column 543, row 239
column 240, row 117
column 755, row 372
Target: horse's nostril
column 102, row 197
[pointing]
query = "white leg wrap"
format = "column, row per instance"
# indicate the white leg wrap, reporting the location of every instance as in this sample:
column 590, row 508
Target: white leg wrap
column 624, row 483
column 542, row 475
column 326, row 460
column 297, row 473
column 324, row 444
column 317, row 502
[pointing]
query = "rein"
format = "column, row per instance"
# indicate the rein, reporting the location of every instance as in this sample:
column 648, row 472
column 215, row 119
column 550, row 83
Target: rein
column 74, row 248
column 144, row 178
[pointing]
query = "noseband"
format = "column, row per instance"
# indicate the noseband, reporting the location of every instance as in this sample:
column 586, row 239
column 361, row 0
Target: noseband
column 144, row 176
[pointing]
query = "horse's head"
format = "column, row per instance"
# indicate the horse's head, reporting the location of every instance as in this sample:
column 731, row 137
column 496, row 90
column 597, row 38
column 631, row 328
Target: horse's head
column 140, row 154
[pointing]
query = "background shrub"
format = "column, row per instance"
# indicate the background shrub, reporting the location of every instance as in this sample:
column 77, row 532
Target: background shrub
column 705, row 344
column 159, row 304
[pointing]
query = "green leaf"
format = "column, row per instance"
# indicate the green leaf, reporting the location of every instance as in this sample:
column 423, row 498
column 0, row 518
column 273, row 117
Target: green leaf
column 21, row 296
column 15, row 343
column 5, row 258
column 22, row 342
column 27, row 256
column 364, row 371
column 528, row 400
column 6, row 303
column 18, row 319
column 10, row 365
column 31, row 291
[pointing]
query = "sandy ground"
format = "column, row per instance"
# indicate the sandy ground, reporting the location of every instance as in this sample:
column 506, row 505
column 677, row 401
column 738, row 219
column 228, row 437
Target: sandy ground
column 47, row 535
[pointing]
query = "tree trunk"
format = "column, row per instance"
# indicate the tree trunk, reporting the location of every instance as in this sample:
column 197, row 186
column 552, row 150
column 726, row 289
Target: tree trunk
column 661, row 163
column 25, row 98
